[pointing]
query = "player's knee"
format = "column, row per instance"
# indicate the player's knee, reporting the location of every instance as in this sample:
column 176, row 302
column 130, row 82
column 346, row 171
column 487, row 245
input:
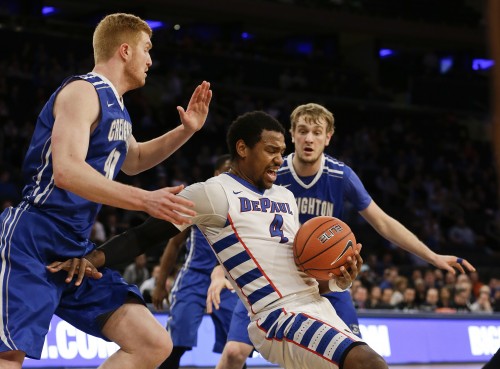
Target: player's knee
column 363, row 357
column 236, row 353
column 159, row 347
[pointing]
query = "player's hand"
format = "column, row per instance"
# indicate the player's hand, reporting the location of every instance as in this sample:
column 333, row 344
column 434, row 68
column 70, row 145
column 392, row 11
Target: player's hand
column 81, row 267
column 194, row 117
column 449, row 262
column 163, row 204
column 159, row 295
column 349, row 270
column 218, row 283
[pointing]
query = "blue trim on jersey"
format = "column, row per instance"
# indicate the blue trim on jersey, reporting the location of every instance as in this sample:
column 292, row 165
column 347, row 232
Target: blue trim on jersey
column 236, row 260
column 224, row 243
column 260, row 293
column 248, row 277
column 246, row 184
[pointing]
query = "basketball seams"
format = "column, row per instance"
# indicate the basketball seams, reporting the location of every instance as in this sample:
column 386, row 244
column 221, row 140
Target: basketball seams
column 297, row 256
column 326, row 249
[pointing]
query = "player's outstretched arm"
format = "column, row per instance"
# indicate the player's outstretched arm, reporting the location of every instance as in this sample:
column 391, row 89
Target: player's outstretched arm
column 145, row 155
column 118, row 250
column 70, row 144
column 398, row 234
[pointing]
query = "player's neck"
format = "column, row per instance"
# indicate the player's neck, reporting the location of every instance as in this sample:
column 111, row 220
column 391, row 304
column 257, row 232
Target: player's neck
column 112, row 75
column 306, row 169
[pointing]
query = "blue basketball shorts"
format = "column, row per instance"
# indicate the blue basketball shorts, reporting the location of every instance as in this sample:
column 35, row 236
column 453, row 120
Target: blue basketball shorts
column 188, row 306
column 31, row 295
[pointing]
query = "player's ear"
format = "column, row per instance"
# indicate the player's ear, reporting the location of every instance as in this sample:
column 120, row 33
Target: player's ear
column 291, row 134
column 124, row 51
column 241, row 148
column 328, row 138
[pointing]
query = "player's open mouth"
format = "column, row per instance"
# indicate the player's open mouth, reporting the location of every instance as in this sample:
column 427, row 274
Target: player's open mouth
column 272, row 174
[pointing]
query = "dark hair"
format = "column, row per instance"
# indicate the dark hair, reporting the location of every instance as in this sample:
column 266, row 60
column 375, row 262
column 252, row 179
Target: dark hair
column 248, row 127
column 219, row 162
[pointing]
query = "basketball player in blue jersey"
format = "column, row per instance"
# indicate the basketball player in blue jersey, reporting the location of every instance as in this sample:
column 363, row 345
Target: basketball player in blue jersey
column 250, row 223
column 321, row 184
column 189, row 293
column 82, row 139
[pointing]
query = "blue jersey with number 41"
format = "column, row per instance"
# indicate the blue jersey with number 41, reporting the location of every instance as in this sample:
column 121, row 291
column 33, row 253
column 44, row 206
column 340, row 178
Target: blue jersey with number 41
column 106, row 153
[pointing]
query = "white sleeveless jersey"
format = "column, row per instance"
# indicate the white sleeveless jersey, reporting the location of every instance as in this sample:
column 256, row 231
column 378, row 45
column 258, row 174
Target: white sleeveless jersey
column 252, row 232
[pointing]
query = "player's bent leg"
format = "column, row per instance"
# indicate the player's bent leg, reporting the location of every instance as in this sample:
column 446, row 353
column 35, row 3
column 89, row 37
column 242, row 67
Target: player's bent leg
column 234, row 355
column 174, row 360
column 363, row 357
column 143, row 342
column 11, row 359
column 310, row 335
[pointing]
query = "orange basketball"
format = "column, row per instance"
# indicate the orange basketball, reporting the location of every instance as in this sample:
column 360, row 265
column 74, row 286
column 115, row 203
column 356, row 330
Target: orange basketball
column 322, row 245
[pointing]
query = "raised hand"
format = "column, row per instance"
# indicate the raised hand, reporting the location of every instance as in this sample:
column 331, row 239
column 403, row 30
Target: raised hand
column 194, row 117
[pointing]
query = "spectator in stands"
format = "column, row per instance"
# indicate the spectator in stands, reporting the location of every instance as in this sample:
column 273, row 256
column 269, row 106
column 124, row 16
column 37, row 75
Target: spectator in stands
column 445, row 301
column 460, row 302
column 360, row 298
column 400, row 286
column 136, row 273
column 461, row 235
column 385, row 300
column 431, row 300
column 483, row 303
column 149, row 284
column 408, row 304
column 374, row 300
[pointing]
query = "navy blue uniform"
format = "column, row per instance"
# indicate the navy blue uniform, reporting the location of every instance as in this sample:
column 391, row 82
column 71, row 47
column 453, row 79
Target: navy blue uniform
column 54, row 224
column 323, row 194
column 189, row 294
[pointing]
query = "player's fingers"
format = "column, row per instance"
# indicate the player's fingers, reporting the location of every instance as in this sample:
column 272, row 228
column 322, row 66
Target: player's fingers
column 175, row 190
column 82, row 266
column 209, row 303
column 56, row 266
column 208, row 98
column 72, row 268
column 176, row 218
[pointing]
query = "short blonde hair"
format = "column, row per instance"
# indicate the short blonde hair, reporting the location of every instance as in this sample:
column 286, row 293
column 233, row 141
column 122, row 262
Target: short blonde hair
column 312, row 113
column 114, row 30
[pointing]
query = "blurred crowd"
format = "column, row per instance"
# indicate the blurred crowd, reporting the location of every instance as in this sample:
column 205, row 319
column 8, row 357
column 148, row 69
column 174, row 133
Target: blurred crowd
column 430, row 168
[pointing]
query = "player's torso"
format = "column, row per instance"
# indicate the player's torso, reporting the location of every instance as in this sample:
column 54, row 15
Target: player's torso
column 106, row 153
column 323, row 196
column 255, row 247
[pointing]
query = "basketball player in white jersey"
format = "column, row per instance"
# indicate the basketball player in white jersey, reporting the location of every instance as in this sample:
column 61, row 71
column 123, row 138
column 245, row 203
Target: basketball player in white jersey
column 250, row 224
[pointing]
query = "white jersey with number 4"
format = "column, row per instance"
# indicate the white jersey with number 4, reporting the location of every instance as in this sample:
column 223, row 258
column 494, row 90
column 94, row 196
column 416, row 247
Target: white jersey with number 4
column 252, row 233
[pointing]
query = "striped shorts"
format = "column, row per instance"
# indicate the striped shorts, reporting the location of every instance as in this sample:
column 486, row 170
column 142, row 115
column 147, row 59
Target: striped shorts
column 305, row 334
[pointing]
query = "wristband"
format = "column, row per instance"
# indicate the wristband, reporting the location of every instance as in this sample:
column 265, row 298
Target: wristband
column 332, row 285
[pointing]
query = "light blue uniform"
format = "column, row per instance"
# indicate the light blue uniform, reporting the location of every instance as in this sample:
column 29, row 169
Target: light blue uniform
column 54, row 224
column 323, row 194
column 189, row 295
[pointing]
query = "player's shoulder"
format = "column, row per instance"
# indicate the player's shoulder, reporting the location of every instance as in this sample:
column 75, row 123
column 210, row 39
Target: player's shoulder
column 287, row 165
column 335, row 165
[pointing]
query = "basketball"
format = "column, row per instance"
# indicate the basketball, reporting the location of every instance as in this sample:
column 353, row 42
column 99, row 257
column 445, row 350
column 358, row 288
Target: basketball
column 322, row 245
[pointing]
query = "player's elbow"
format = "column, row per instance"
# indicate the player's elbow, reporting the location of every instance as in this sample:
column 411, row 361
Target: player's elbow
column 62, row 177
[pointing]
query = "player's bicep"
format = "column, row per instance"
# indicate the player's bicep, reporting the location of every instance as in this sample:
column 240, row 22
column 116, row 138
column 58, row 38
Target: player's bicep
column 76, row 109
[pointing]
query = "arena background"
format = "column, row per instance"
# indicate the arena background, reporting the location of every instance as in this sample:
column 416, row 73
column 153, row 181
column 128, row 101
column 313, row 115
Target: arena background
column 408, row 83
